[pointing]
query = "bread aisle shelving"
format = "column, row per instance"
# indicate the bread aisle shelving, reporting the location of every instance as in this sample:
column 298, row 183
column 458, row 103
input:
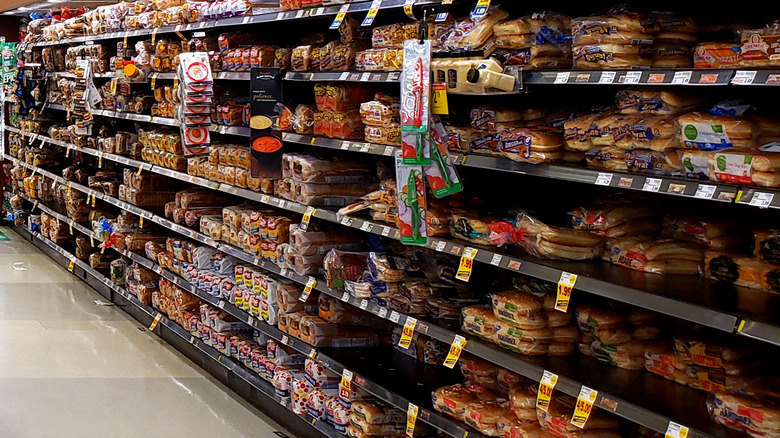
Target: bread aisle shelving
column 642, row 398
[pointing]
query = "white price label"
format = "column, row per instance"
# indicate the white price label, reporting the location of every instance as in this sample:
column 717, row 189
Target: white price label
column 285, row 340
column 704, row 191
column 364, row 304
column 675, row 430
column 264, row 199
column 652, row 184
column 366, row 227
column 632, row 77
column 682, row 77
column 344, row 76
column 345, row 297
column 365, row 77
column 345, row 221
column 283, row 272
column 280, row 16
column 300, row 13
column 607, row 77
column 440, row 245
column 382, row 312
column 744, row 77
column 562, row 77
column 365, row 148
column 388, row 151
column 603, row 179
column 345, row 145
column 761, row 199
column 496, row 260
column 395, row 316
column 385, row 231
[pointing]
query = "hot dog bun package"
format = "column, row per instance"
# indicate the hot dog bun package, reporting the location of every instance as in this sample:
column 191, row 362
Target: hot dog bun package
column 411, row 202
column 544, row 241
column 756, row 416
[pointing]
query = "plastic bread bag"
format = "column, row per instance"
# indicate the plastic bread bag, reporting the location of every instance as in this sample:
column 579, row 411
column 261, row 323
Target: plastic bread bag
column 519, row 310
column 661, row 257
column 654, row 101
column 619, row 28
column 471, row 33
column 604, row 215
column 544, row 241
column 343, row 266
column 612, row 56
column 714, row 233
column 741, row 270
column 319, row 242
column 478, row 320
column 482, row 230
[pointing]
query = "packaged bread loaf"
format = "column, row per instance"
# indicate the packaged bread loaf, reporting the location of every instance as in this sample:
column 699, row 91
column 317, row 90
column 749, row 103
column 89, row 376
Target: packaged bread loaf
column 621, row 28
column 545, row 241
column 742, row 270
column 756, row 416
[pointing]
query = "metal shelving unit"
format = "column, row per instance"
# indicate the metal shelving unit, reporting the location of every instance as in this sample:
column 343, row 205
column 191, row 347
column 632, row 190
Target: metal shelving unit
column 273, row 14
column 710, row 303
column 283, row 415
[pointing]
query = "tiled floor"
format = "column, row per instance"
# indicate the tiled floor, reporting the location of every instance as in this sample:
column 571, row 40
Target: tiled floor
column 72, row 368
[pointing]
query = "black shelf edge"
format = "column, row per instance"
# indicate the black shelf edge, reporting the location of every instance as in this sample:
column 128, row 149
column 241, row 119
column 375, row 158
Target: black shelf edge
column 706, row 77
column 344, row 76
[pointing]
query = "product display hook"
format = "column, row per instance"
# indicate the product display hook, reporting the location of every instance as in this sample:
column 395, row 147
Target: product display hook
column 422, row 33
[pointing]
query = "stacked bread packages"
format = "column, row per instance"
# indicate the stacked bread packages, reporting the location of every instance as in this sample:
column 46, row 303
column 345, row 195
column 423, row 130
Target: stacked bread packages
column 545, row 241
column 674, row 41
column 616, row 337
column 318, row 182
column 620, row 40
column 529, row 325
column 372, row 418
column 724, row 144
column 540, row 40
column 760, row 270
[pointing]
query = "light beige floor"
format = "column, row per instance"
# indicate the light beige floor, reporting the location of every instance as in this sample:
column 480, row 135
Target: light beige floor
column 72, row 368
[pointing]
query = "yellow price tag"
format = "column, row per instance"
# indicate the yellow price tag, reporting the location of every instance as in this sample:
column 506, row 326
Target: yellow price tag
column 154, row 34
column 411, row 419
column 155, row 322
column 345, row 387
column 102, row 249
column 307, row 290
column 140, row 221
column 455, row 349
column 565, row 286
column 71, row 228
column 407, row 333
column 675, row 430
column 140, row 169
column 466, row 264
column 92, row 241
column 481, row 9
column 67, row 152
column 177, row 30
column 375, row 5
column 154, row 80
column 313, row 353
column 93, row 200
column 70, row 265
column 339, row 17
column 306, row 218
column 546, row 386
column 439, row 100
column 584, row 406
column 100, row 159
column 112, row 86
column 175, row 83
column 408, row 6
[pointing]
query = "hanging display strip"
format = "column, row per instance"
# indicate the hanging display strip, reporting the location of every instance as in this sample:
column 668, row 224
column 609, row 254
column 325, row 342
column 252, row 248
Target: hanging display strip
column 358, row 6
column 694, row 299
column 630, row 77
column 380, row 391
column 228, row 363
column 617, row 388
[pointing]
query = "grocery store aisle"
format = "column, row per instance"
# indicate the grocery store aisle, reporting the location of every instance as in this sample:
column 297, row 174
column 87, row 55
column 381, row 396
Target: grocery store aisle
column 70, row 367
